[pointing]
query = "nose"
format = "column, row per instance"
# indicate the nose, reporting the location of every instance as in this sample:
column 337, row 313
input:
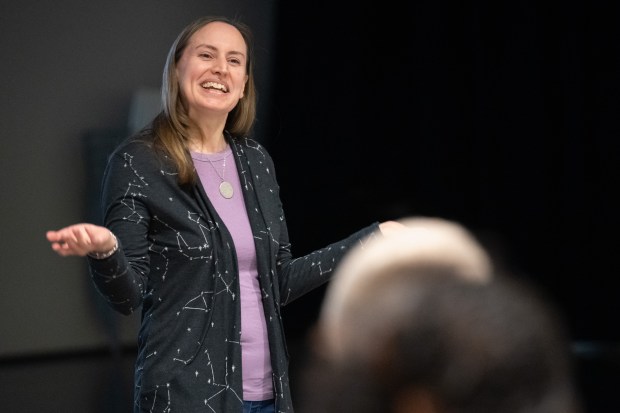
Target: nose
column 220, row 65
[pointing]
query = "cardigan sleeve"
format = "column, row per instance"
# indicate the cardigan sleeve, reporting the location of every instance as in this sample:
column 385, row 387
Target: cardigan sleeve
column 122, row 278
column 298, row 276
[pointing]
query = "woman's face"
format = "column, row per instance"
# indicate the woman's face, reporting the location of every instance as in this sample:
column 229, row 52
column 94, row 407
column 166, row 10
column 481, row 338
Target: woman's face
column 212, row 70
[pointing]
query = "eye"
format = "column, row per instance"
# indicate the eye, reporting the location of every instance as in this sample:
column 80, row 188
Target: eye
column 206, row 55
column 234, row 61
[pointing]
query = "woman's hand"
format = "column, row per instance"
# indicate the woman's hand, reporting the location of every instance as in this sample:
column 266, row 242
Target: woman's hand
column 391, row 227
column 81, row 239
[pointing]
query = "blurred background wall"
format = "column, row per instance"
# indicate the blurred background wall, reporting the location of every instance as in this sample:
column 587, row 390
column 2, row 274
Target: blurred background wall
column 502, row 116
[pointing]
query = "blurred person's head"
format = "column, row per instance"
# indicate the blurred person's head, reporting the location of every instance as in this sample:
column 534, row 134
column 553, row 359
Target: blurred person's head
column 425, row 245
column 418, row 322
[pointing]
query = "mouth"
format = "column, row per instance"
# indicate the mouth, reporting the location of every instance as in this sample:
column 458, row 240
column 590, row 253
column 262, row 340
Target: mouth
column 214, row 86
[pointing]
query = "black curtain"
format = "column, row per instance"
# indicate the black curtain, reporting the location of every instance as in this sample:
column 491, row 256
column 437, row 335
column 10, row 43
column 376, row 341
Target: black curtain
column 501, row 116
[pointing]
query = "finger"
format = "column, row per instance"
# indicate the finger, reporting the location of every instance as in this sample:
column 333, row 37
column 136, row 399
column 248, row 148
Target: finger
column 68, row 248
column 69, row 252
column 62, row 248
column 57, row 236
column 52, row 236
column 82, row 236
column 71, row 241
column 57, row 240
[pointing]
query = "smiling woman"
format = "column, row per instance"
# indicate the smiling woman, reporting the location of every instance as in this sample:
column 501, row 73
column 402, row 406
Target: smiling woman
column 195, row 234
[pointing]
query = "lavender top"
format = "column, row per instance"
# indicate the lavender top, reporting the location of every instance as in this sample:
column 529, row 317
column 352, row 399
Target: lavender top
column 256, row 362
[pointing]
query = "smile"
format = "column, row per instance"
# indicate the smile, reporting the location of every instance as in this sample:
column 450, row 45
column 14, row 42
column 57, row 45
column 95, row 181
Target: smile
column 214, row 85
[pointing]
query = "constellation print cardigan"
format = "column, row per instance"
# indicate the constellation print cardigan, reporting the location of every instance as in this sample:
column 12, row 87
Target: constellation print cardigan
column 177, row 261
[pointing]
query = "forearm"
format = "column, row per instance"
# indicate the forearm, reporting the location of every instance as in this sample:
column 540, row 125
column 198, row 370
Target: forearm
column 301, row 275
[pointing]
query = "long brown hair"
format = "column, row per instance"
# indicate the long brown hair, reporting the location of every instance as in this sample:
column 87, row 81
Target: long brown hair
column 171, row 125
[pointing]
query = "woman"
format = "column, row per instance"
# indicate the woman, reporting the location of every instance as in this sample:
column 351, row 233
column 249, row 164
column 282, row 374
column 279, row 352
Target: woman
column 195, row 234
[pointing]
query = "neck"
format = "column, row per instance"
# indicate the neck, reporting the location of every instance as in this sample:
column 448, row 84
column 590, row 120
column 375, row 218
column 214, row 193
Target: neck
column 205, row 140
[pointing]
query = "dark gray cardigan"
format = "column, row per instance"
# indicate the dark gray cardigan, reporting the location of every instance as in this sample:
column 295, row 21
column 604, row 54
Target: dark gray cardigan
column 177, row 261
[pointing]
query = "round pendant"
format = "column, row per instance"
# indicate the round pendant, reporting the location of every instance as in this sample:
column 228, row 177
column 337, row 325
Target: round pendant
column 226, row 189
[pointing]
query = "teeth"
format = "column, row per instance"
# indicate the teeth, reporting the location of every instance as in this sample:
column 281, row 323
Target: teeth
column 213, row 85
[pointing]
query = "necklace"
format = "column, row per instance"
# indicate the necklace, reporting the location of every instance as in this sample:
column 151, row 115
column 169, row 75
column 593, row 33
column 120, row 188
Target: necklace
column 226, row 189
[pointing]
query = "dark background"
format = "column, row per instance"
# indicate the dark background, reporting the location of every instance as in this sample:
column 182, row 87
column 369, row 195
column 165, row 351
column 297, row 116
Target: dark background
column 501, row 116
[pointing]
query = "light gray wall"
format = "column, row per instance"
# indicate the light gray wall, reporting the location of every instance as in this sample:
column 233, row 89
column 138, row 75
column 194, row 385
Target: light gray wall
column 68, row 67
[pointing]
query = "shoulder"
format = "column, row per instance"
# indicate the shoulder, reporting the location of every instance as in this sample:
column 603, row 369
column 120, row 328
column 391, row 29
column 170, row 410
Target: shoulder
column 139, row 146
column 253, row 154
column 254, row 151
column 251, row 145
column 138, row 152
column 140, row 143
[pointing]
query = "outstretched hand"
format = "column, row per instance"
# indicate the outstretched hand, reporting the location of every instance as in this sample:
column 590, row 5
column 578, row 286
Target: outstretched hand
column 389, row 228
column 81, row 239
